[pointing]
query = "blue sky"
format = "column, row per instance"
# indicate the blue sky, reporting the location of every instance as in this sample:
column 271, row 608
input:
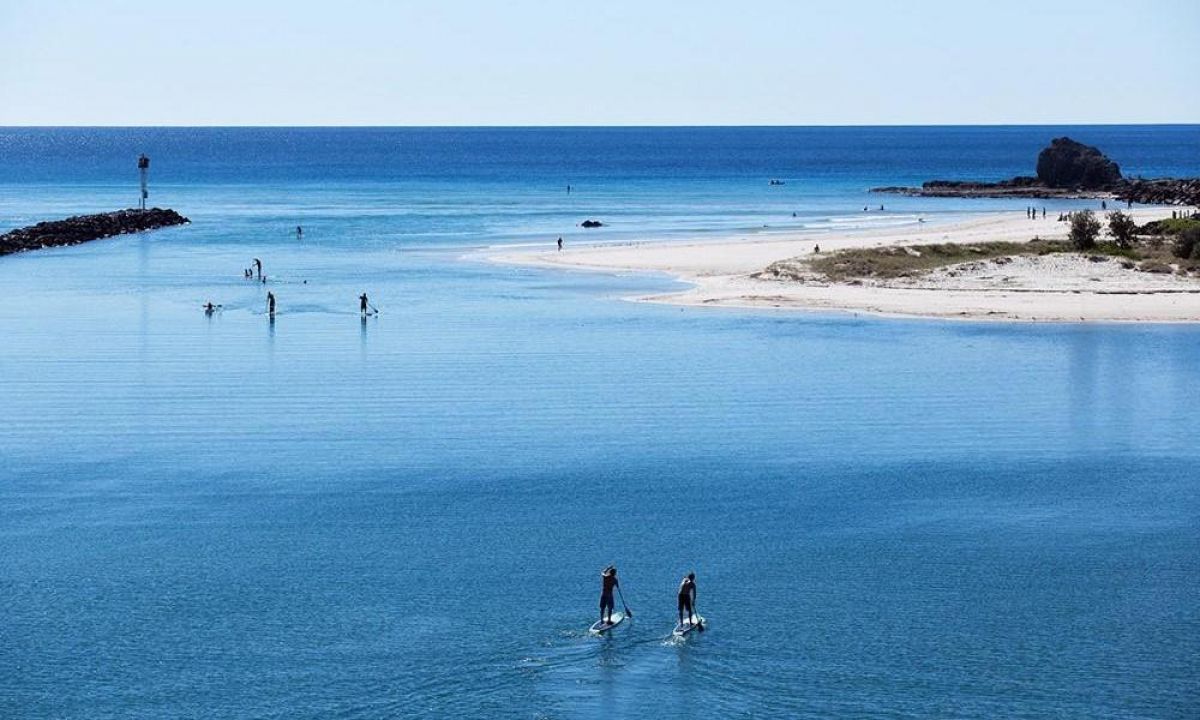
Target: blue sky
column 596, row 62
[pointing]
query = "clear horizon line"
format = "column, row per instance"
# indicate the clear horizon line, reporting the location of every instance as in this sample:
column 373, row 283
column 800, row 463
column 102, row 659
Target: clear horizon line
column 610, row 126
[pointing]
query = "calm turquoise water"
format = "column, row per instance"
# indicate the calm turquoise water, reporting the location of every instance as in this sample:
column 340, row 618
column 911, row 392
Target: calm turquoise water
column 224, row 517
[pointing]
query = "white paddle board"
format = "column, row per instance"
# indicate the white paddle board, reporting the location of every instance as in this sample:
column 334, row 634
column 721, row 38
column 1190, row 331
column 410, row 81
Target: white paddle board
column 688, row 625
column 600, row 627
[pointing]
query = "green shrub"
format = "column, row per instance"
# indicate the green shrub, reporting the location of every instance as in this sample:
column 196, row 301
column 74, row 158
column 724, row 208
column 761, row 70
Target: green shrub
column 1187, row 245
column 1172, row 226
column 1084, row 230
column 1122, row 228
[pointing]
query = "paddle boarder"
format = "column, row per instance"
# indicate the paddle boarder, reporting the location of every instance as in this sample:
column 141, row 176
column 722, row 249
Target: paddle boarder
column 362, row 304
column 687, row 597
column 608, row 582
column 258, row 267
column 271, row 304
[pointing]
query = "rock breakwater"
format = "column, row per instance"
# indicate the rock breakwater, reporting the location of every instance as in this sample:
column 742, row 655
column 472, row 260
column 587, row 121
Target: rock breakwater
column 84, row 228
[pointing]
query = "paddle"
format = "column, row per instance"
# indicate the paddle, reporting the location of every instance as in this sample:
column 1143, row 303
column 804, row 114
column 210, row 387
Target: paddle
column 628, row 612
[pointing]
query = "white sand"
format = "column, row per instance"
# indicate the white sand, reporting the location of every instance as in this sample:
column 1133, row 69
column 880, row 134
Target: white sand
column 1058, row 288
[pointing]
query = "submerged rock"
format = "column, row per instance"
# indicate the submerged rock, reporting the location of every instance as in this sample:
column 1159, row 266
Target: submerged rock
column 592, row 224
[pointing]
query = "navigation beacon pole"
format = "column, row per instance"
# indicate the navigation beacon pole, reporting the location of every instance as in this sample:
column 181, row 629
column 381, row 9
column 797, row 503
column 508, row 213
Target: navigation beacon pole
column 144, row 173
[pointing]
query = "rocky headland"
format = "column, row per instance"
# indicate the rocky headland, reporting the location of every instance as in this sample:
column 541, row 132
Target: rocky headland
column 84, row 228
column 1067, row 169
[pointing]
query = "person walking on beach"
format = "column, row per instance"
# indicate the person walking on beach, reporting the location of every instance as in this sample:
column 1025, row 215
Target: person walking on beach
column 608, row 583
column 363, row 304
column 560, row 244
column 271, row 304
column 258, row 267
column 687, row 597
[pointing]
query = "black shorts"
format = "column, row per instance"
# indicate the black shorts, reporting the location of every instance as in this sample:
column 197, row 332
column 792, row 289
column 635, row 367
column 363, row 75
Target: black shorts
column 606, row 601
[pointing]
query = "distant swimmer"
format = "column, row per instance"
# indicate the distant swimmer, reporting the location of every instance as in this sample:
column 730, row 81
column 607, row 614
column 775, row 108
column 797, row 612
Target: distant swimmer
column 865, row 209
column 560, row 244
column 362, row 303
column 271, row 304
column 881, row 207
column 258, row 266
column 608, row 582
column 687, row 597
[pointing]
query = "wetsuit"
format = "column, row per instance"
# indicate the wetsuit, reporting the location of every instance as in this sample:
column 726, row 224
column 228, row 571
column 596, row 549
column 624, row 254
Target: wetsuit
column 687, row 599
column 608, row 582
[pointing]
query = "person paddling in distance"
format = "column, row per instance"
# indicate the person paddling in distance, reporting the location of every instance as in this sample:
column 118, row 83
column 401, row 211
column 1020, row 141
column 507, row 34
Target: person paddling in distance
column 363, row 304
column 608, row 583
column 271, row 304
column 687, row 597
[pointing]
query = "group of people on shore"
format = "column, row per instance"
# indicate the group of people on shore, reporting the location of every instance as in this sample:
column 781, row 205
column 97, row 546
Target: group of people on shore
column 685, row 597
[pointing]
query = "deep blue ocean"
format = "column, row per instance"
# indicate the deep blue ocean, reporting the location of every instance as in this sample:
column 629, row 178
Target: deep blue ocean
column 406, row 516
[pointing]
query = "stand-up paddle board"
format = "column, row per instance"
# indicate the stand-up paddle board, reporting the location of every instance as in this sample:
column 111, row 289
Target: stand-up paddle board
column 600, row 627
column 685, row 627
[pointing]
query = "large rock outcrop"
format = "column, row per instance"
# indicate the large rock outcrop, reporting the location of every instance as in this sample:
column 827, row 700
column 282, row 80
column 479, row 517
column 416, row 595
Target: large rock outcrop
column 82, row 228
column 1070, row 164
column 1067, row 169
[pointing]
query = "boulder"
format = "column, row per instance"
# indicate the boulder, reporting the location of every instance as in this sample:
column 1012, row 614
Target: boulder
column 1070, row 164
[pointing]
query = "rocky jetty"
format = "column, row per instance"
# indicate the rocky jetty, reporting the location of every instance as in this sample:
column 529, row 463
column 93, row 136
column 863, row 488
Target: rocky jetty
column 83, row 228
column 1067, row 169
column 1162, row 191
column 1025, row 187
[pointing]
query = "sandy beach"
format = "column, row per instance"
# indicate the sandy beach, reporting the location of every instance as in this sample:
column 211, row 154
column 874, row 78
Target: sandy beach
column 1061, row 288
